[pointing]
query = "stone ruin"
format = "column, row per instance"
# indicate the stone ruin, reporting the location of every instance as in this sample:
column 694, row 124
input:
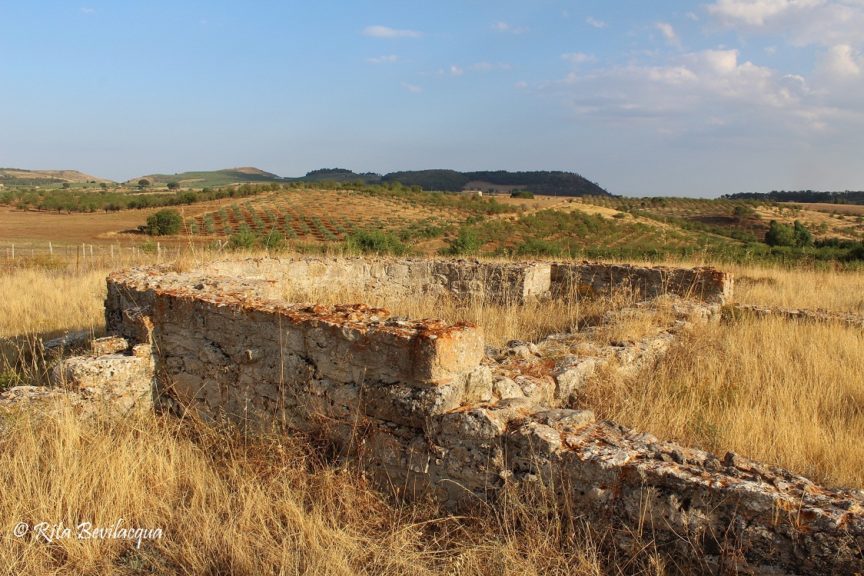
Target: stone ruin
column 425, row 407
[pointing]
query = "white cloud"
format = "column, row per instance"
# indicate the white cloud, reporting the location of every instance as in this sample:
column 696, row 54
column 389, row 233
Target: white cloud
column 456, row 70
column 88, row 10
column 521, row 85
column 801, row 22
column 577, row 57
column 668, row 32
column 490, row 66
column 413, row 88
column 757, row 12
column 502, row 26
column 841, row 62
column 594, row 22
column 386, row 59
column 706, row 90
column 387, row 32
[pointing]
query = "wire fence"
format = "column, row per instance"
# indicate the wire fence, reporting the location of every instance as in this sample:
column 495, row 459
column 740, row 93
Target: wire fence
column 13, row 253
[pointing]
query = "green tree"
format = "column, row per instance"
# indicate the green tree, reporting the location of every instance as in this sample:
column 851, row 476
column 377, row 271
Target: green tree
column 802, row 235
column 243, row 239
column 173, row 185
column 164, row 222
column 376, row 242
column 742, row 212
column 143, row 183
column 273, row 240
column 466, row 242
column 780, row 234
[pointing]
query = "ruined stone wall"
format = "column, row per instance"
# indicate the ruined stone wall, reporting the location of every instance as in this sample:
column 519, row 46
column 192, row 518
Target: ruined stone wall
column 423, row 408
column 594, row 279
column 501, row 282
column 504, row 282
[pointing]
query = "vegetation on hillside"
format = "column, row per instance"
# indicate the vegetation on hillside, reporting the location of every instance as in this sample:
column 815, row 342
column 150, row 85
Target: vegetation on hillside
column 552, row 183
column 100, row 200
column 805, row 196
column 20, row 177
column 212, row 178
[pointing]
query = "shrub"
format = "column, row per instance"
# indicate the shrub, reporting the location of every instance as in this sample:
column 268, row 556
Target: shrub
column 243, row 239
column 522, row 194
column 164, row 223
column 467, row 242
column 375, row 241
column 273, row 240
column 538, row 247
column 802, row 235
column 779, row 234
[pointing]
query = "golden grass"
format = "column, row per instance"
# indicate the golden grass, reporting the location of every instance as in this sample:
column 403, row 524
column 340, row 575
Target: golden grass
column 836, row 291
column 787, row 393
column 227, row 504
column 500, row 322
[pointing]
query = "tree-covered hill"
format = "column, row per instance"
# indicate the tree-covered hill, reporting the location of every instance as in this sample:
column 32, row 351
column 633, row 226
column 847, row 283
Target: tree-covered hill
column 807, row 196
column 553, row 183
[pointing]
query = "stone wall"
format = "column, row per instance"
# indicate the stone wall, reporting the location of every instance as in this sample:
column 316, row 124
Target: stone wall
column 503, row 282
column 593, row 279
column 424, row 408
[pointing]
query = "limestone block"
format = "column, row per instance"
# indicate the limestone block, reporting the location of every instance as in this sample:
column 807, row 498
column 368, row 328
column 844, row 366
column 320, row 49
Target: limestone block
column 504, row 388
column 572, row 374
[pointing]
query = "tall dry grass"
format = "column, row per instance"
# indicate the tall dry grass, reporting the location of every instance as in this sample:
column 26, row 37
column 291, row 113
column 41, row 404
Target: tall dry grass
column 228, row 504
column 501, row 322
column 787, row 393
column 782, row 392
column 833, row 290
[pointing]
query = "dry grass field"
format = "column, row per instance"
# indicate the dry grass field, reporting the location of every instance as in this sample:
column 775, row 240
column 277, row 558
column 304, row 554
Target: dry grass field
column 787, row 393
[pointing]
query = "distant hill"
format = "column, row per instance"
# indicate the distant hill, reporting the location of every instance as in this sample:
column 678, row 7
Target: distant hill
column 339, row 175
column 202, row 179
column 805, row 196
column 20, row 177
column 541, row 182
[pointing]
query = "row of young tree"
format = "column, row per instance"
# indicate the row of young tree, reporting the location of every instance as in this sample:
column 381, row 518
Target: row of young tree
column 109, row 201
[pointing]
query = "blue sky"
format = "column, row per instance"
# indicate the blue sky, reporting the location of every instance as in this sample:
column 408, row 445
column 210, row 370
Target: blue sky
column 645, row 98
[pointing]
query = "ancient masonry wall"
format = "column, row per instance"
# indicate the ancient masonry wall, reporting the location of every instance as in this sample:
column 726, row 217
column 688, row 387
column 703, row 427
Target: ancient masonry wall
column 421, row 408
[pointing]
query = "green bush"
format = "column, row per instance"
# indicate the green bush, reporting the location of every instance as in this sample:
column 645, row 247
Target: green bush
column 164, row 223
column 375, row 241
column 243, row 239
column 779, row 234
column 538, row 247
column 467, row 242
column 802, row 235
column 273, row 240
column 522, row 194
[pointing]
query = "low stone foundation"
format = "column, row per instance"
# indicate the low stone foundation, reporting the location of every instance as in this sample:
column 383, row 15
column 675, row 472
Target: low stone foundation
column 425, row 407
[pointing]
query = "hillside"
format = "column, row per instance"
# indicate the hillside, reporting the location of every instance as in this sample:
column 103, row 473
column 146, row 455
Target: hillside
column 551, row 183
column 20, row 177
column 803, row 196
column 209, row 178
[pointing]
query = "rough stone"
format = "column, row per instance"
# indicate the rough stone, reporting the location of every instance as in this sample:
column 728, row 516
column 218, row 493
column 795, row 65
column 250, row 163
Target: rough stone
column 419, row 406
